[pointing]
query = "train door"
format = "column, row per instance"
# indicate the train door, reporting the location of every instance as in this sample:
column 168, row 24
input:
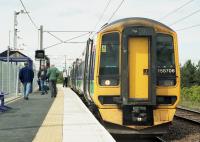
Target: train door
column 138, row 67
column 138, row 75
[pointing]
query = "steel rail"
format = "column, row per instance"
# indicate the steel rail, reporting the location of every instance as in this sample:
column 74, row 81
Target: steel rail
column 158, row 139
column 188, row 115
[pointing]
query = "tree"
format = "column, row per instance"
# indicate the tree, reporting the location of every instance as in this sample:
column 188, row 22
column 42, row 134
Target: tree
column 188, row 77
column 197, row 74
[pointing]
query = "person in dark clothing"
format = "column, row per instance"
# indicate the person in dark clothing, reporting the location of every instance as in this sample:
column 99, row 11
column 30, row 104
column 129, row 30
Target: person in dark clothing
column 38, row 81
column 42, row 75
column 26, row 76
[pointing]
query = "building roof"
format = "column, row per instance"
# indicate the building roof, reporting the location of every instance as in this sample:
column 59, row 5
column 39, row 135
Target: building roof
column 13, row 54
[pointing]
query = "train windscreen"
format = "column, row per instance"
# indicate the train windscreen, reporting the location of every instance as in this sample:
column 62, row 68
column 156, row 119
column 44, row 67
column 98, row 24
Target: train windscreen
column 166, row 72
column 109, row 59
column 165, row 51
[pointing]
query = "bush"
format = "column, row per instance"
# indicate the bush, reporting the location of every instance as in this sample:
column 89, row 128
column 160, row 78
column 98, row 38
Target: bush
column 191, row 94
column 60, row 79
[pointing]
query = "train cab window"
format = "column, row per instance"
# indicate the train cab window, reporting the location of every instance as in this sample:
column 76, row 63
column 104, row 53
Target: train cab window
column 109, row 60
column 165, row 51
column 166, row 72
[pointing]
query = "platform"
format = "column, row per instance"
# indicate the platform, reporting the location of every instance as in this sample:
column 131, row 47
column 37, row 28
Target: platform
column 43, row 119
column 79, row 123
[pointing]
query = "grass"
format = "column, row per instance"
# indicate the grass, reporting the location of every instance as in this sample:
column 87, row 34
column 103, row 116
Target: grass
column 60, row 79
column 190, row 97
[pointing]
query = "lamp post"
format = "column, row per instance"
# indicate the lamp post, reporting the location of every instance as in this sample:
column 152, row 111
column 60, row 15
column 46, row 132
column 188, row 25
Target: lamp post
column 41, row 44
column 15, row 28
column 8, row 66
column 15, row 42
column 65, row 62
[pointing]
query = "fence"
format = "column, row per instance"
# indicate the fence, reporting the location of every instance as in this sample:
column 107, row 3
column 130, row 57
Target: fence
column 9, row 79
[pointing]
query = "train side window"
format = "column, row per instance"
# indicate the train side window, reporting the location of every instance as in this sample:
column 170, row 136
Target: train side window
column 109, row 60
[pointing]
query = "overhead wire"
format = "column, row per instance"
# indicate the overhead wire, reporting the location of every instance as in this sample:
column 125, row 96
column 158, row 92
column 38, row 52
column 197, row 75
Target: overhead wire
column 107, row 5
column 104, row 10
column 74, row 42
column 76, row 37
column 183, row 18
column 55, row 36
column 53, row 45
column 115, row 11
column 100, row 18
column 49, row 32
column 191, row 14
column 67, row 41
column 189, row 27
column 175, row 10
column 69, row 31
column 34, row 24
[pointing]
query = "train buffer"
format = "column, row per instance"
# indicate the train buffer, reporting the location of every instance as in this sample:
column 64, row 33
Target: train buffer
column 3, row 107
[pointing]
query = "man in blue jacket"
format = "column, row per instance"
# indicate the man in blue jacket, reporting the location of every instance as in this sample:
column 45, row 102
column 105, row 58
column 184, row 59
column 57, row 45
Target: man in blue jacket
column 26, row 76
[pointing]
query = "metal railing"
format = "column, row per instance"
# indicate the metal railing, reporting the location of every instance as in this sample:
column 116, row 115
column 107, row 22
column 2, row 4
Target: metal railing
column 9, row 79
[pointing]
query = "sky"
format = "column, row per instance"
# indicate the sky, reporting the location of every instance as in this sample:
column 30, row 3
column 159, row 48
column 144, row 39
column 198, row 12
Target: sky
column 83, row 15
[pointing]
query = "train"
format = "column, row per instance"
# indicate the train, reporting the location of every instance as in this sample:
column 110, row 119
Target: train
column 129, row 76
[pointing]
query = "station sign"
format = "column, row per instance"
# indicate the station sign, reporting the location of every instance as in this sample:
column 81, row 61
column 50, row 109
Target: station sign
column 39, row 54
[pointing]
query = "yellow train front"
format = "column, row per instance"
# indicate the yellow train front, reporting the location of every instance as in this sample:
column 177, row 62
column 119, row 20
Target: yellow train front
column 132, row 76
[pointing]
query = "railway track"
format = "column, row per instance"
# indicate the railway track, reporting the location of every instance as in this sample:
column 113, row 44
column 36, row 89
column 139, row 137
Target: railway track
column 139, row 139
column 188, row 115
column 158, row 139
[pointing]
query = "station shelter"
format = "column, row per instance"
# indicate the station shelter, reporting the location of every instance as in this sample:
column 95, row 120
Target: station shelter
column 15, row 57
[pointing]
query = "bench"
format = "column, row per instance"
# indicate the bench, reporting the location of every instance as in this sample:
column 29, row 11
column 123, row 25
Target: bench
column 3, row 107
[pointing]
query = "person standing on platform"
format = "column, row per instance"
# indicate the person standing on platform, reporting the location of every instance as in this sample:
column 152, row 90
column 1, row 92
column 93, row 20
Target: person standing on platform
column 26, row 76
column 38, row 81
column 52, row 74
column 65, row 78
column 42, row 75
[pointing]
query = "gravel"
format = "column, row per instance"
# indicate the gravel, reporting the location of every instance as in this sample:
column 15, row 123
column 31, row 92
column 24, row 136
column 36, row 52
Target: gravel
column 179, row 131
column 183, row 131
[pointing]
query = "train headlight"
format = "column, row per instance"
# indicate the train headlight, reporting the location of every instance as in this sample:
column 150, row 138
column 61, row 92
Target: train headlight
column 139, row 119
column 109, row 82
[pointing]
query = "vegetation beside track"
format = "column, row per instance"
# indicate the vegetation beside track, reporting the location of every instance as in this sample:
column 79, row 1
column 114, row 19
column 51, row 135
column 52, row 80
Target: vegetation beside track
column 190, row 97
column 190, row 85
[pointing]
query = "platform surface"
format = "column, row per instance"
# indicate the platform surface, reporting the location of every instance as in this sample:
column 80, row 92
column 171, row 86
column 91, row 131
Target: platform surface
column 45, row 119
column 79, row 124
column 21, row 123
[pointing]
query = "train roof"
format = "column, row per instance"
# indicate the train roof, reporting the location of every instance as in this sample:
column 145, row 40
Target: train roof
column 136, row 21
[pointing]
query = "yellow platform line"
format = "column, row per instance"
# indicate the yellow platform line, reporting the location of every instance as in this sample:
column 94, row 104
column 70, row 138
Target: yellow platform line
column 51, row 129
